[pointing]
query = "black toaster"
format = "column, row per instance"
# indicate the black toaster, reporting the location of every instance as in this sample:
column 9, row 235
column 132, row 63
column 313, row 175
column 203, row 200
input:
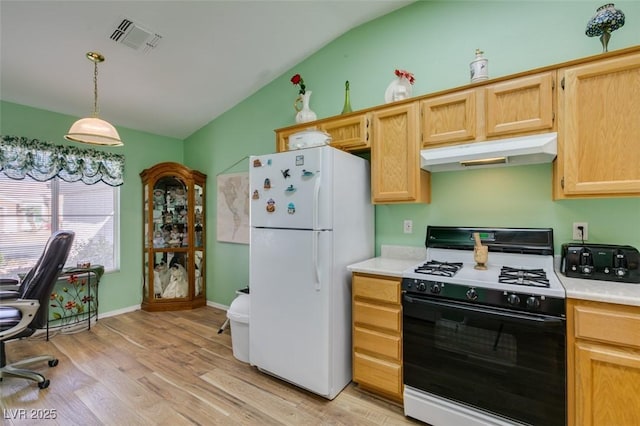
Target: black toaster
column 606, row 262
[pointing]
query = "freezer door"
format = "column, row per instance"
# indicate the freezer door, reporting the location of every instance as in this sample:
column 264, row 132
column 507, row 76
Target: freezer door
column 290, row 306
column 291, row 189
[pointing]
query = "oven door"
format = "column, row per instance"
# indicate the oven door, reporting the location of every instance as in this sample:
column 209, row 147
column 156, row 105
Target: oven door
column 510, row 364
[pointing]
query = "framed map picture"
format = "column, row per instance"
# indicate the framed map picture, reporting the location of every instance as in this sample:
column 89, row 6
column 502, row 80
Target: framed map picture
column 233, row 208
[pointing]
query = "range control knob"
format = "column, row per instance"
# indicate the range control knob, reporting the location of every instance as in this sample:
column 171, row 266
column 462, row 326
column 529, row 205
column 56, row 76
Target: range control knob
column 533, row 302
column 435, row 288
column 513, row 299
column 472, row 294
column 422, row 286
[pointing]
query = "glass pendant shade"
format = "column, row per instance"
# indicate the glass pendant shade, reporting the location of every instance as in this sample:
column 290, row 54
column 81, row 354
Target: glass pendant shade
column 94, row 131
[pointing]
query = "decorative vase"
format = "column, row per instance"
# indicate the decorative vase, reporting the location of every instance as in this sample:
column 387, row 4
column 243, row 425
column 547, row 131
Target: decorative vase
column 304, row 113
column 606, row 20
column 347, row 101
column 398, row 89
column 479, row 67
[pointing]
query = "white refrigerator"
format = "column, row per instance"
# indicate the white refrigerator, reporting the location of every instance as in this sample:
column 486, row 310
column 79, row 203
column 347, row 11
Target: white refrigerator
column 311, row 216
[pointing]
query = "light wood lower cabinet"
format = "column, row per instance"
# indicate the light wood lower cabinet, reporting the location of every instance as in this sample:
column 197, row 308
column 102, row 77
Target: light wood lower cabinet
column 377, row 334
column 603, row 368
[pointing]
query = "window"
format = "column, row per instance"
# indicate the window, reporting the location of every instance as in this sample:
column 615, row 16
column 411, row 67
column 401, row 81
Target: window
column 31, row 210
column 46, row 187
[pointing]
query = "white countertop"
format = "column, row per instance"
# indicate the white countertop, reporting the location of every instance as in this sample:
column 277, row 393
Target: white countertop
column 395, row 259
column 392, row 262
column 601, row 291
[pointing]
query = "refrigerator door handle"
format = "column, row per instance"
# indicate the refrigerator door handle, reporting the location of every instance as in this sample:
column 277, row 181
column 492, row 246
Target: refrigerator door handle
column 316, row 270
column 316, row 202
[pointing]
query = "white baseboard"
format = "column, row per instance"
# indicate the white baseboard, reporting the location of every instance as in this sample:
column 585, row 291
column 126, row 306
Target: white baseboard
column 217, row 305
column 119, row 311
column 138, row 307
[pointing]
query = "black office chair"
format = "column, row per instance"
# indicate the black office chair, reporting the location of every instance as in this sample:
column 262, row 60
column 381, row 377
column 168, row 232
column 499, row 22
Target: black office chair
column 24, row 307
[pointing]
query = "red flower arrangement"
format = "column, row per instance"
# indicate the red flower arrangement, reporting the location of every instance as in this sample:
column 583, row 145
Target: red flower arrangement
column 297, row 79
column 406, row 74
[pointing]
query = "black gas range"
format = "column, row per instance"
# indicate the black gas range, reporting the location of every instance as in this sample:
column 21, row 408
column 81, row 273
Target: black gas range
column 485, row 341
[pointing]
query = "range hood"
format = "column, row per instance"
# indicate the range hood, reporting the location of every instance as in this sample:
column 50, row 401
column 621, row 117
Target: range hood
column 532, row 149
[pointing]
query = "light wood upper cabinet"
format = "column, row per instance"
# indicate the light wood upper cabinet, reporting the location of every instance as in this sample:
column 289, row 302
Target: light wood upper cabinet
column 396, row 176
column 519, row 106
column 282, row 135
column 603, row 369
column 599, row 129
column 377, row 334
column 449, row 118
column 349, row 133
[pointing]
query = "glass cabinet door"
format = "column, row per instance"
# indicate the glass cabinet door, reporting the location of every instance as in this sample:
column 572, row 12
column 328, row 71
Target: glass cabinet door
column 146, row 216
column 170, row 212
column 174, row 238
column 199, row 217
column 170, row 275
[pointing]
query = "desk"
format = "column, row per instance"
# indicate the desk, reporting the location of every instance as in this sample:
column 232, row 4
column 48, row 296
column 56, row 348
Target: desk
column 72, row 297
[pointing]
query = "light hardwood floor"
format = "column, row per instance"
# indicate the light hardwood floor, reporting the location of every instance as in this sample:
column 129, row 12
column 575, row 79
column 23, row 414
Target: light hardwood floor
column 170, row 368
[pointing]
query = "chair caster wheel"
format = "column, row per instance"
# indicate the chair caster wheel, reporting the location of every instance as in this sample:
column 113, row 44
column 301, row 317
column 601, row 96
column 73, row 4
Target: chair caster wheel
column 44, row 385
column 53, row 363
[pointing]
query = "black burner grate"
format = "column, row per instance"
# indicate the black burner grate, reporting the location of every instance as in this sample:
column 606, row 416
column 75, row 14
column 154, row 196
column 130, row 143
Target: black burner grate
column 520, row 276
column 435, row 267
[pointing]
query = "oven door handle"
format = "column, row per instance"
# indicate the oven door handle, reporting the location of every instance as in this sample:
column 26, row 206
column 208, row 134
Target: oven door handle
column 540, row 320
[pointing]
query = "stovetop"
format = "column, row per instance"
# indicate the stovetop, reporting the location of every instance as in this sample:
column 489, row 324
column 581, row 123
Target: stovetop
column 468, row 275
column 518, row 275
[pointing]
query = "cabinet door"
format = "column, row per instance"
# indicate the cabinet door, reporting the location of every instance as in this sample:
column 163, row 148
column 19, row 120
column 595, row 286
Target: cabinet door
column 282, row 136
column 599, row 128
column 607, row 385
column 349, row 134
column 449, row 118
column 395, row 156
column 520, row 106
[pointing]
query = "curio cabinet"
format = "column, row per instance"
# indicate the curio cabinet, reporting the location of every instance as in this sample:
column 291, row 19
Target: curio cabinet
column 174, row 244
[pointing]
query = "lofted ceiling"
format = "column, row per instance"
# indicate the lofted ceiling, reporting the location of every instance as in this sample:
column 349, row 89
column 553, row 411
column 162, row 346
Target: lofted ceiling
column 182, row 83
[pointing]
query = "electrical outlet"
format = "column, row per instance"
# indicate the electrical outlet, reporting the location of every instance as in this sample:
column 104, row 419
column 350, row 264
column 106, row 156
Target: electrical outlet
column 580, row 234
column 408, row 226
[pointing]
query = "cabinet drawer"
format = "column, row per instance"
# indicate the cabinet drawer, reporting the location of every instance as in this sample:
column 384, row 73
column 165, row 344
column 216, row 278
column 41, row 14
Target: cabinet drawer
column 383, row 375
column 382, row 289
column 377, row 342
column 384, row 317
column 620, row 326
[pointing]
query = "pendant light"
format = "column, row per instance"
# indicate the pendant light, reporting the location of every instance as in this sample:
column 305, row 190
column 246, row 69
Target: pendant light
column 93, row 130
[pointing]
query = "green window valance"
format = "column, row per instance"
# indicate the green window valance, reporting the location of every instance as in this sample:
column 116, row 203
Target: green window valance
column 20, row 157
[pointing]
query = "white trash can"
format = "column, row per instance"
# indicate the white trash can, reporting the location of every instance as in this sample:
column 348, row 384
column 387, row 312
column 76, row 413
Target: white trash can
column 238, row 315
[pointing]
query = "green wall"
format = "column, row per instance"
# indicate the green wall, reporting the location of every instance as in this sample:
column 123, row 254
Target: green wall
column 435, row 40
column 121, row 289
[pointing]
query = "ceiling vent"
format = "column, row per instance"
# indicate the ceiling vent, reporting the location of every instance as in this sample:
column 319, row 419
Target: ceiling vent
column 130, row 34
